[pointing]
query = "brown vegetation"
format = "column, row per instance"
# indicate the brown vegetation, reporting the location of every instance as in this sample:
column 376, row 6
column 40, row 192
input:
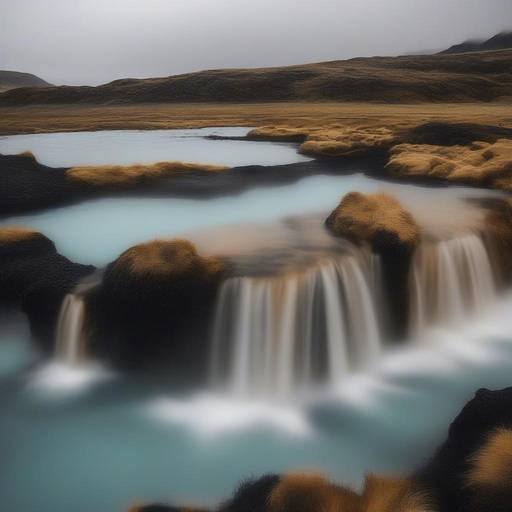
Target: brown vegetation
column 479, row 163
column 301, row 492
column 383, row 494
column 492, row 465
column 15, row 234
column 298, row 117
column 333, row 140
column 167, row 259
column 484, row 76
column 365, row 217
column 109, row 175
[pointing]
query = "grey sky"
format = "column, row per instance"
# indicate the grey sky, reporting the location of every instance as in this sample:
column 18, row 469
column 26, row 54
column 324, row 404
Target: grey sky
column 95, row 41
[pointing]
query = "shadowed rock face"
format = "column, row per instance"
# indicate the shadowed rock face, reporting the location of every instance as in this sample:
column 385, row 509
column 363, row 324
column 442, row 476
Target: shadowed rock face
column 26, row 185
column 448, row 474
column 380, row 221
column 155, row 302
column 479, row 443
column 455, row 134
column 35, row 278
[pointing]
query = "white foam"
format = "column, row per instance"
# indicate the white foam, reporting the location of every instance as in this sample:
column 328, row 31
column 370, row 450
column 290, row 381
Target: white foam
column 212, row 415
column 59, row 379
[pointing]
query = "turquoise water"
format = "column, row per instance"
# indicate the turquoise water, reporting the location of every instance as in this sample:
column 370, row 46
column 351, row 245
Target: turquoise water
column 97, row 231
column 96, row 441
column 87, row 439
column 138, row 146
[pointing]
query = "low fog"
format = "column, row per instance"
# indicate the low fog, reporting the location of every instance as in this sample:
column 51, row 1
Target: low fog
column 92, row 41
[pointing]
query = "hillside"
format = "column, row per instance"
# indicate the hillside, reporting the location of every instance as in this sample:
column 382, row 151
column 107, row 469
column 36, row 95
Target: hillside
column 14, row 79
column 485, row 76
column 500, row 41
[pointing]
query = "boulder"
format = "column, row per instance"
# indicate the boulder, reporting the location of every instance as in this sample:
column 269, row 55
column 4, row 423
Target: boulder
column 376, row 219
column 34, row 277
column 155, row 303
column 472, row 471
column 380, row 221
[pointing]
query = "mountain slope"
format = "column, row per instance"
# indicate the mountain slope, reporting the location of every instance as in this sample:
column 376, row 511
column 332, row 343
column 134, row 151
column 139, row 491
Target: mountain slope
column 15, row 79
column 485, row 76
column 500, row 41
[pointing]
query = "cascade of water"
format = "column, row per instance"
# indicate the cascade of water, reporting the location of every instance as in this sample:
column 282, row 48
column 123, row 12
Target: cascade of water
column 450, row 279
column 276, row 334
column 70, row 346
column 71, row 340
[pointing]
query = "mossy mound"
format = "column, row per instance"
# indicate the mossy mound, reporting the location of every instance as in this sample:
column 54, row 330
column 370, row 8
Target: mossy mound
column 132, row 175
column 380, row 221
column 480, row 163
column 374, row 218
column 155, row 304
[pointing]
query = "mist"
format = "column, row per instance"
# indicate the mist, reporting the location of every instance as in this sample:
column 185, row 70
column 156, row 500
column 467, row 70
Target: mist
column 92, row 42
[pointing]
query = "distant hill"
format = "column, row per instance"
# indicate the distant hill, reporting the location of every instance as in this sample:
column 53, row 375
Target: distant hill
column 15, row 79
column 485, row 76
column 500, row 41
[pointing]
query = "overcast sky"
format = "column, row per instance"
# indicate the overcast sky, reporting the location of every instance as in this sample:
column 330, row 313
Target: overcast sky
column 95, row 41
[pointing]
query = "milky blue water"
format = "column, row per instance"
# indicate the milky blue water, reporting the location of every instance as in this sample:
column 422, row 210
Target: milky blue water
column 88, row 439
column 138, row 146
column 97, row 231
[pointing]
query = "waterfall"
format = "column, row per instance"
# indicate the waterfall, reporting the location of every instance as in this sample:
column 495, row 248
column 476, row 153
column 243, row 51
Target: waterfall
column 71, row 337
column 274, row 334
column 450, row 279
column 70, row 343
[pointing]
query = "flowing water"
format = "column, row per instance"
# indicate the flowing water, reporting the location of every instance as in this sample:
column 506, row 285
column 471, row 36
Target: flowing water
column 449, row 280
column 303, row 372
column 275, row 335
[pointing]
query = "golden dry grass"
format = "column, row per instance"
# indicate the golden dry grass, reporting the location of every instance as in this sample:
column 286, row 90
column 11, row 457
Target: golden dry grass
column 106, row 175
column 348, row 140
column 300, row 492
column 15, row 234
column 289, row 115
column 167, row 259
column 363, row 216
column 492, row 465
column 480, row 163
column 333, row 140
column 382, row 494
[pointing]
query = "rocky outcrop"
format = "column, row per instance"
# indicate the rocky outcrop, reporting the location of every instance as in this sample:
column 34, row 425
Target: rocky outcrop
column 471, row 472
column 473, row 468
column 154, row 304
column 378, row 219
column 34, row 277
column 25, row 185
column 381, row 222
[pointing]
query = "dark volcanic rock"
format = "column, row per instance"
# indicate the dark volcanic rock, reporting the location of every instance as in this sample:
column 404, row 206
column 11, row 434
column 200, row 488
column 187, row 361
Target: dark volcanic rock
column 27, row 185
column 446, row 474
column 155, row 304
column 35, row 278
column 380, row 221
column 453, row 134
